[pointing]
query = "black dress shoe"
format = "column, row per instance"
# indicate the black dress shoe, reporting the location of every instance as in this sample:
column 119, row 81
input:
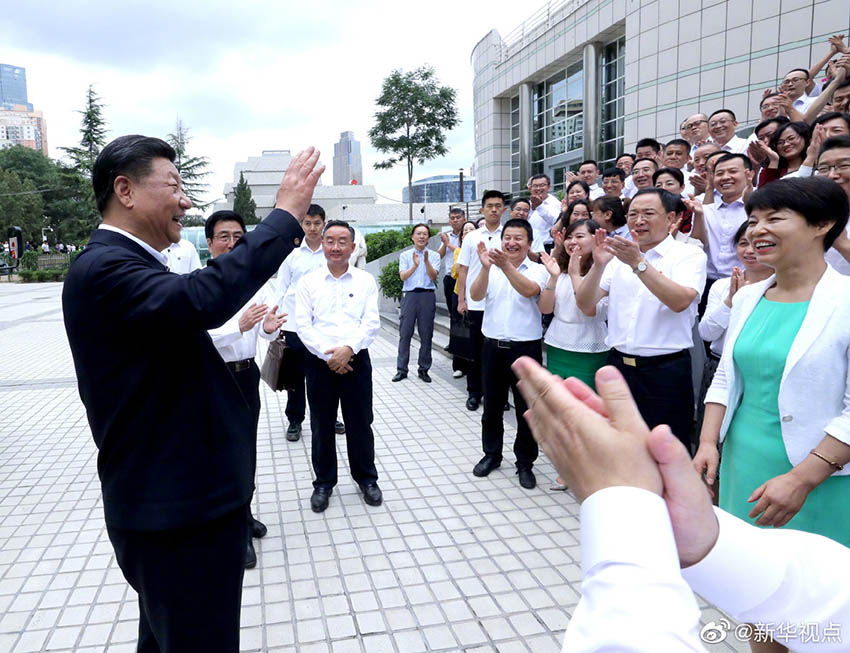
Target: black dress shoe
column 339, row 428
column 399, row 376
column 486, row 465
column 527, row 478
column 250, row 556
column 319, row 500
column 258, row 528
column 293, row 433
column 423, row 374
column 472, row 403
column 372, row 494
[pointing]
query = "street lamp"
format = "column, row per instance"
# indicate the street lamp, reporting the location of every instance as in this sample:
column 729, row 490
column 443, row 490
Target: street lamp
column 461, row 184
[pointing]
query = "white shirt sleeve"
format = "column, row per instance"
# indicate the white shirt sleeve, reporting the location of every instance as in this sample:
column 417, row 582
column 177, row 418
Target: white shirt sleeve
column 228, row 333
column 633, row 595
column 690, row 271
column 304, row 321
column 607, row 275
column 778, row 576
column 467, row 250
column 370, row 320
column 284, row 277
column 715, row 320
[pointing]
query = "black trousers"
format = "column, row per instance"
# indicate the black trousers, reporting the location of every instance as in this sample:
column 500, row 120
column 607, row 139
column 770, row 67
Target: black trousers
column 663, row 390
column 296, row 400
column 457, row 363
column 451, row 307
column 189, row 582
column 249, row 384
column 498, row 377
column 326, row 391
column 474, row 387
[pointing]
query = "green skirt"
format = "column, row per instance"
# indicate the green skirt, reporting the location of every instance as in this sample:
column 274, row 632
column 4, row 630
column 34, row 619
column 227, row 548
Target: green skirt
column 581, row 365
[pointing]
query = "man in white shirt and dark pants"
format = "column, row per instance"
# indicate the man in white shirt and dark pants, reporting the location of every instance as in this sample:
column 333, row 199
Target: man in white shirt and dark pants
column 546, row 209
column 510, row 285
column 236, row 341
column 449, row 242
column 336, row 317
column 653, row 284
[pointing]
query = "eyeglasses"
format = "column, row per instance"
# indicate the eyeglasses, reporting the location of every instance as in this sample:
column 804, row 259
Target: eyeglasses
column 789, row 140
column 225, row 237
column 792, row 80
column 719, row 123
column 839, row 167
column 694, row 124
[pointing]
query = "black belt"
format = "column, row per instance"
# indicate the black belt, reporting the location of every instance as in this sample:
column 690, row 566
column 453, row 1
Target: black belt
column 508, row 344
column 648, row 361
column 240, row 366
column 421, row 290
column 713, row 355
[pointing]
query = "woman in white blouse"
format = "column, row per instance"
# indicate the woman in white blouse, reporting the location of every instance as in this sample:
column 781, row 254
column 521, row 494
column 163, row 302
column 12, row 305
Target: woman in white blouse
column 575, row 342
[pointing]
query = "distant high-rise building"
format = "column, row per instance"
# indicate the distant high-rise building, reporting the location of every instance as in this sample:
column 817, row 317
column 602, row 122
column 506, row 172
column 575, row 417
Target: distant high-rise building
column 348, row 166
column 20, row 124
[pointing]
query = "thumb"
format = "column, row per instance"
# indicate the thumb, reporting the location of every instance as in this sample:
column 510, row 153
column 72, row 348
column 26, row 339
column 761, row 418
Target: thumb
column 619, row 404
column 677, row 470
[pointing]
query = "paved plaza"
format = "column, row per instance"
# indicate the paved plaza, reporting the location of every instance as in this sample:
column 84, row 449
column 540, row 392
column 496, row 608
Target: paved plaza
column 449, row 562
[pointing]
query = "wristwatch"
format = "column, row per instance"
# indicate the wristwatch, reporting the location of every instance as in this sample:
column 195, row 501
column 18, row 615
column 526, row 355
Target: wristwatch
column 640, row 267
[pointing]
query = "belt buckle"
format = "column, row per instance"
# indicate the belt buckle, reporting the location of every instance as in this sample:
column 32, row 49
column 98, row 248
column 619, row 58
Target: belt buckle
column 503, row 344
column 630, row 361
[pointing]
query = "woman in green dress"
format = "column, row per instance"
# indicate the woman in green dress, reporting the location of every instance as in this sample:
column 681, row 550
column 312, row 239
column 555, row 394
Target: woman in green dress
column 780, row 401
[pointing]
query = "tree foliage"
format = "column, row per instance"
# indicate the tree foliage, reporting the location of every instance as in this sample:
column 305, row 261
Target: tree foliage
column 20, row 206
column 381, row 243
column 390, row 282
column 92, row 135
column 243, row 203
column 415, row 112
column 192, row 169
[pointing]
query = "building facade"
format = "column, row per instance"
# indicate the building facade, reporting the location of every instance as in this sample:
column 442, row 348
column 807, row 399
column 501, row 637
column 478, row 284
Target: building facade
column 20, row 124
column 585, row 79
column 440, row 188
column 13, row 87
column 347, row 163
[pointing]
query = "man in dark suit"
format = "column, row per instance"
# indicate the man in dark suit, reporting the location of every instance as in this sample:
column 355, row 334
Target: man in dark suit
column 174, row 448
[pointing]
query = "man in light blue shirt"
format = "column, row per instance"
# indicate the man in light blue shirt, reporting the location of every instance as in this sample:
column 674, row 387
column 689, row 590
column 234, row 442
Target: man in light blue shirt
column 417, row 268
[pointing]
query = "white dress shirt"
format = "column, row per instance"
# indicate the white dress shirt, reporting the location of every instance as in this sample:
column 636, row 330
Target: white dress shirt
column 449, row 257
column 736, row 144
column 640, row 324
column 333, row 312
column 595, row 192
column 543, row 218
column 572, row 330
column 159, row 256
column 803, row 103
column 721, row 221
column 507, row 314
column 419, row 278
column 295, row 266
column 469, row 257
column 836, row 260
column 629, row 188
column 182, row 257
column 635, row 598
column 715, row 320
column 233, row 344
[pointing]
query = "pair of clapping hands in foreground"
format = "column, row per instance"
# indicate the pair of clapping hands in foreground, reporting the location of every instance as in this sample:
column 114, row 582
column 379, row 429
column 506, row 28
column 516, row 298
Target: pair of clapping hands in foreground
column 599, row 441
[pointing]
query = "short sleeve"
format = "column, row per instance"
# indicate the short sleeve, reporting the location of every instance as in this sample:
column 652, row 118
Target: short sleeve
column 466, row 250
column 607, row 275
column 690, row 269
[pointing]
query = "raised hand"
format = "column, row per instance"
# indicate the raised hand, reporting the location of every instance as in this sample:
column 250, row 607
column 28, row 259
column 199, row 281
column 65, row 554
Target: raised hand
column 694, row 205
column 736, row 282
column 698, row 181
column 425, row 255
column 444, row 237
column 484, row 256
column 550, row 264
column 253, row 314
column 416, row 258
column 628, row 251
column 574, row 266
column 836, row 43
column 299, row 181
column 272, row 321
column 601, row 253
column 499, row 258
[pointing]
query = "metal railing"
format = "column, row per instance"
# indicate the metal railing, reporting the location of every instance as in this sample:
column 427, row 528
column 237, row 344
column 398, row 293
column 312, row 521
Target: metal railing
column 532, row 27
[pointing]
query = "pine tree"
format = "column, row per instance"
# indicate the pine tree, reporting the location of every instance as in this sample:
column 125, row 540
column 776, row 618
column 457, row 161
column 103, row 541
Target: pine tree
column 243, row 203
column 93, row 130
column 192, row 169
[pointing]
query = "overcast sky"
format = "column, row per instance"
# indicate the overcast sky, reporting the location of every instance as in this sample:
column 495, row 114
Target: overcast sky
column 248, row 76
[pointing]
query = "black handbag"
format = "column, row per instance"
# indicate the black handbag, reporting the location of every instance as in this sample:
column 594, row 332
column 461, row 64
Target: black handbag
column 461, row 343
column 279, row 368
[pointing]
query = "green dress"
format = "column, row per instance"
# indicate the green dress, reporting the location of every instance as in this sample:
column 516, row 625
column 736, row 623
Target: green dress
column 753, row 450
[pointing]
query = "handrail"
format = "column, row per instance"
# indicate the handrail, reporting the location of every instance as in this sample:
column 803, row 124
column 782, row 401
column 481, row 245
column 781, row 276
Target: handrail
column 530, row 28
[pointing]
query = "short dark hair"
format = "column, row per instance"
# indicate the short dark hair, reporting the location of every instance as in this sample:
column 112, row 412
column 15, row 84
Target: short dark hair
column 222, row 216
column 540, row 176
column 798, row 70
column 517, row 200
column 832, row 115
column 586, row 161
column 835, row 143
column 607, row 203
column 740, row 233
column 416, row 226
column 128, row 156
column 711, row 155
column 801, row 129
column 564, row 259
column 673, row 172
column 668, row 199
column 817, row 199
column 729, row 111
column 457, row 211
column 779, row 120
column 769, row 95
column 522, row 224
column 488, row 194
column 579, row 182
column 628, row 154
column 731, row 156
column 614, row 172
column 681, row 142
column 643, row 158
column 649, row 142
column 339, row 223
column 315, row 209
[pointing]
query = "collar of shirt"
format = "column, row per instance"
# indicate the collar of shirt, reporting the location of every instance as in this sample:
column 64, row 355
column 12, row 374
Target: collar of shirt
column 486, row 233
column 159, row 256
column 329, row 274
column 661, row 248
column 309, row 249
column 733, row 204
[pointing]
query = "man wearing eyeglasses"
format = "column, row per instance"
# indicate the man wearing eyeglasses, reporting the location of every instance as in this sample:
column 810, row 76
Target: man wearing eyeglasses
column 236, row 341
column 696, row 129
column 794, row 86
column 545, row 209
column 834, row 162
column 722, row 125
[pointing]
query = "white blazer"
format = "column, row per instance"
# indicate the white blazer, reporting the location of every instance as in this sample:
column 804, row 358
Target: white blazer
column 814, row 393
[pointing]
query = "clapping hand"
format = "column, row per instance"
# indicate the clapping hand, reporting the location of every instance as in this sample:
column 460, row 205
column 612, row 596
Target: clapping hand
column 836, row 43
column 550, row 264
column 425, row 255
column 444, row 237
column 484, row 256
column 736, row 282
column 272, row 322
column 574, row 266
column 252, row 315
column 601, row 253
column 416, row 259
column 628, row 251
column 499, row 258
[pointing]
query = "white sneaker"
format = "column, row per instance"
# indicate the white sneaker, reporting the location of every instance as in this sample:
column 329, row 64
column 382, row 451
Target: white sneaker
column 457, row 374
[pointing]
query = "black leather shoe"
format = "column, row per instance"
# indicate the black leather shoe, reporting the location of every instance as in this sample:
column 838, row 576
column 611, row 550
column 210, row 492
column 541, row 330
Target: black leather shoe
column 293, row 433
column 250, row 556
column 527, row 478
column 486, row 465
column 423, row 374
column 320, row 498
column 472, row 403
column 372, row 494
column 399, row 376
column 339, row 428
column 258, row 528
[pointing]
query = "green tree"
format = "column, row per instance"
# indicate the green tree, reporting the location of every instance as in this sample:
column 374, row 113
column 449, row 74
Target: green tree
column 411, row 124
column 93, row 135
column 20, row 206
column 192, row 169
column 243, row 203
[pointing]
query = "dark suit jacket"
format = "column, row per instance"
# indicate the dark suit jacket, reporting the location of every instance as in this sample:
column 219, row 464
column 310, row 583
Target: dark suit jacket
column 171, row 426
